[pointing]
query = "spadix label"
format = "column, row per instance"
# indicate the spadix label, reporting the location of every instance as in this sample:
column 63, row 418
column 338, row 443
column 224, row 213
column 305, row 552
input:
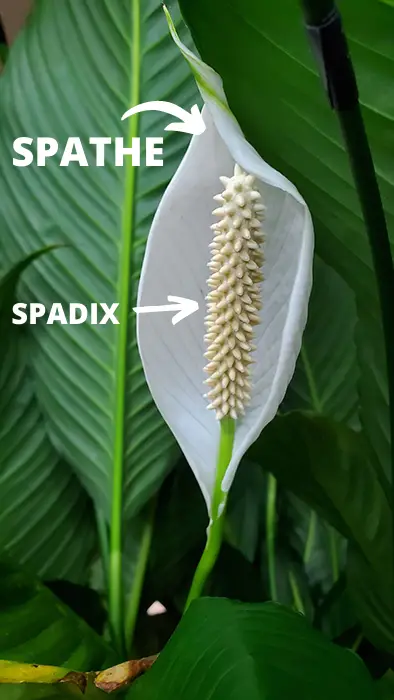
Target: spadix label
column 73, row 314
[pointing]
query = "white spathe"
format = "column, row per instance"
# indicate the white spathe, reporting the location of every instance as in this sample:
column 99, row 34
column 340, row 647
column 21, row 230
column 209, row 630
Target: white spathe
column 175, row 262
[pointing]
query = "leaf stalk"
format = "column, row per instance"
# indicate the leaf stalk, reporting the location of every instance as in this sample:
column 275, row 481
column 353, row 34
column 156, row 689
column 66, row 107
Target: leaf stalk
column 270, row 524
column 115, row 602
column 138, row 578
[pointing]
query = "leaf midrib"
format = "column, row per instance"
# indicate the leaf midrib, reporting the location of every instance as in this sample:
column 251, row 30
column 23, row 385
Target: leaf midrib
column 121, row 347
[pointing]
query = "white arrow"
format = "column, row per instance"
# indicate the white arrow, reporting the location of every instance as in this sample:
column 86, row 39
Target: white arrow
column 185, row 307
column 191, row 122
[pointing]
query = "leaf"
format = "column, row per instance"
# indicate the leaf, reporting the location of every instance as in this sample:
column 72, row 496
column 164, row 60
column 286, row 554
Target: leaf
column 282, row 566
column 326, row 375
column 326, row 464
column 9, row 281
column 321, row 547
column 236, row 578
column 35, row 627
column 42, row 681
column 185, row 218
column 223, row 649
column 96, row 60
column 14, row 672
column 322, row 557
column 65, row 683
column 178, row 538
column 285, row 578
column 273, row 88
column 46, row 519
column 244, row 512
column 36, row 692
column 83, row 600
column 372, row 597
column 386, row 686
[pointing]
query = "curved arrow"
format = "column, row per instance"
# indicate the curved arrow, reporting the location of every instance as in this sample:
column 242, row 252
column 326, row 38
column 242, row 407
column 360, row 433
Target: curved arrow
column 183, row 306
column 191, row 122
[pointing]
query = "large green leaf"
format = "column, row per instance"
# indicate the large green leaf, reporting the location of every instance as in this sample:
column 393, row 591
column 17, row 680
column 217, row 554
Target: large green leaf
column 272, row 84
column 318, row 543
column 35, row 627
column 38, row 692
column 326, row 464
column 46, row 518
column 386, row 686
column 223, row 649
column 45, row 515
column 325, row 382
column 179, row 536
column 322, row 552
column 326, row 375
column 245, row 509
column 74, row 71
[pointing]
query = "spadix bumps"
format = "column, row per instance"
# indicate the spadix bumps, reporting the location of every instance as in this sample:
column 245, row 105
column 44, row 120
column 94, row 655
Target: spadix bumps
column 235, row 296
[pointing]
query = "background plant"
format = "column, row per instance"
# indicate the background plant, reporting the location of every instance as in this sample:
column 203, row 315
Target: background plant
column 315, row 534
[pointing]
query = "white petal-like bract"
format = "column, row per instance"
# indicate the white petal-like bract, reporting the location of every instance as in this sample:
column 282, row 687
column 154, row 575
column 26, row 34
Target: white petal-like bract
column 175, row 263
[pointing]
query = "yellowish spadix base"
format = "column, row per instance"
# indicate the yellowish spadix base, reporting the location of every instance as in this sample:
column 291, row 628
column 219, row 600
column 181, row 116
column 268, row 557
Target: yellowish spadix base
column 233, row 305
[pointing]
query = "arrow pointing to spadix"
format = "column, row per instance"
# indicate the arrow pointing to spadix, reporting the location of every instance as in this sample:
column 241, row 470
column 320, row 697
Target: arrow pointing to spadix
column 183, row 306
column 191, row 122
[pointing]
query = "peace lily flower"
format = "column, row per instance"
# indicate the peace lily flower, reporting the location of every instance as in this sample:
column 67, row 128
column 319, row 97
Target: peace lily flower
column 258, row 255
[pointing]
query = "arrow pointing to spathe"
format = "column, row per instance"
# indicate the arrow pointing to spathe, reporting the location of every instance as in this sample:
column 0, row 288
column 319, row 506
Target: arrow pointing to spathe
column 184, row 307
column 191, row 122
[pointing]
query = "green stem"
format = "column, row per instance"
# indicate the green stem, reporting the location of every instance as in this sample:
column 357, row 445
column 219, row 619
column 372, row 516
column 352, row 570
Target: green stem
column 270, row 526
column 333, row 544
column 310, row 539
column 297, row 598
column 115, row 602
column 357, row 641
column 138, row 579
column 362, row 166
column 219, row 500
column 102, row 530
column 315, row 399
